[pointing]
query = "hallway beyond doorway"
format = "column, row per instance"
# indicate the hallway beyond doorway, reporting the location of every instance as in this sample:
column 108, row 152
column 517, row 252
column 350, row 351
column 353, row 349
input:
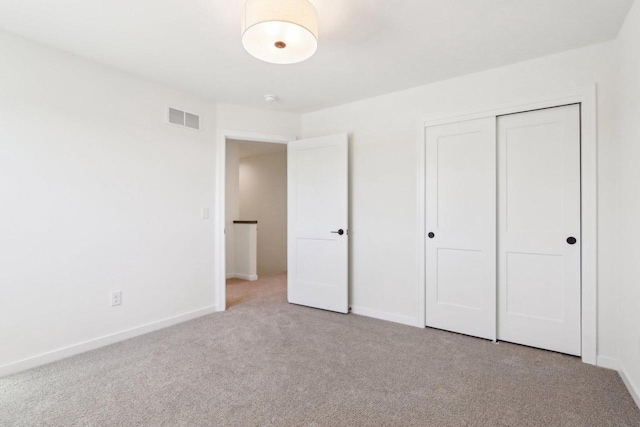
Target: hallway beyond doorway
column 241, row 292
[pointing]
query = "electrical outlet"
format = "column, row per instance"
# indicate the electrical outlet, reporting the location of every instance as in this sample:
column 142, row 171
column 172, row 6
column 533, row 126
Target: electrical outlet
column 116, row 298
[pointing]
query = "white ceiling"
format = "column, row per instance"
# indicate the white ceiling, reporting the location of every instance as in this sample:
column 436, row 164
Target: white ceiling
column 366, row 47
column 255, row 148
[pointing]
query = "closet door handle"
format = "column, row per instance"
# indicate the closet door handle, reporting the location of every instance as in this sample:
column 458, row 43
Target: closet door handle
column 571, row 240
column 340, row 232
column 431, row 235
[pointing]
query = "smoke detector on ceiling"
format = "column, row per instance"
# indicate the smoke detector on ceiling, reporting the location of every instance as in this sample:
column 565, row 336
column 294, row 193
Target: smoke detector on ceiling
column 271, row 98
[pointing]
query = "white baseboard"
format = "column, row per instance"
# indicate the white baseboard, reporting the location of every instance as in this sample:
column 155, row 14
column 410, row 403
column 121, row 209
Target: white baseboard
column 405, row 320
column 251, row 278
column 632, row 387
column 612, row 363
column 52, row 356
column 607, row 362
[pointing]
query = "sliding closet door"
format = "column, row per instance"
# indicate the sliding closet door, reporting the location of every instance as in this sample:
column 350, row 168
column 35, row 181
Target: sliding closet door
column 461, row 227
column 539, row 229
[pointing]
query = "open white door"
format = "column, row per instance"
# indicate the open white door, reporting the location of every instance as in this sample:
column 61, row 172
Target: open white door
column 461, row 226
column 318, row 244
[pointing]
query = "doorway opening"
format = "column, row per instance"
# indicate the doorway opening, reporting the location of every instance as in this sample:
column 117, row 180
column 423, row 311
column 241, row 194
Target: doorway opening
column 255, row 218
column 317, row 213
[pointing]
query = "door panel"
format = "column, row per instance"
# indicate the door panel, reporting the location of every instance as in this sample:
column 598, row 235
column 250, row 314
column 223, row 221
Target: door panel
column 458, row 286
column 538, row 209
column 531, row 290
column 534, row 165
column 461, row 214
column 317, row 206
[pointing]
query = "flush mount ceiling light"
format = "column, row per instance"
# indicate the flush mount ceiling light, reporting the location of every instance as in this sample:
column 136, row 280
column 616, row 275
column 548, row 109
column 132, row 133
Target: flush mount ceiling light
column 280, row 31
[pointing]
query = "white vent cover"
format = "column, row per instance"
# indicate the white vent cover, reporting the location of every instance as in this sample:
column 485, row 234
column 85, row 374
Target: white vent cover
column 184, row 119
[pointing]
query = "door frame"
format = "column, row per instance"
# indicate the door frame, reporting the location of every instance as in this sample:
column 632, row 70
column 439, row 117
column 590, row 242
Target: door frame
column 220, row 274
column 586, row 97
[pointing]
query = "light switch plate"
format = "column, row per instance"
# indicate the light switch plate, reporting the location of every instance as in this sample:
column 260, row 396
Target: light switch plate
column 205, row 213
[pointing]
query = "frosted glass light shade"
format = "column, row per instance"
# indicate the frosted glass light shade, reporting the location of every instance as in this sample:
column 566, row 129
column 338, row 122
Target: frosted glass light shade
column 280, row 31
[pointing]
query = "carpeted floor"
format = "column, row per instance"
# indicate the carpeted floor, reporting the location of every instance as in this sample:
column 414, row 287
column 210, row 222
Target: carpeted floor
column 265, row 362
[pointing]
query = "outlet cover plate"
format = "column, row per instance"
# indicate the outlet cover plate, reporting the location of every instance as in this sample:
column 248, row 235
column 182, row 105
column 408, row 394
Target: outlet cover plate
column 116, row 298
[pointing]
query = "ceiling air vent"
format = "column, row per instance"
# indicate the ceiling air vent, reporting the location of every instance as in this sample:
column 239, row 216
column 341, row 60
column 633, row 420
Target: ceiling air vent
column 184, row 119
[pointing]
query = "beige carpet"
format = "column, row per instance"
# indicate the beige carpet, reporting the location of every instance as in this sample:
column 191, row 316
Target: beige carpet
column 265, row 362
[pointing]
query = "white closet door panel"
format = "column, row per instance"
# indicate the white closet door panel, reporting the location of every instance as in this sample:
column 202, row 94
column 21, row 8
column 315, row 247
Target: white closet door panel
column 538, row 209
column 461, row 214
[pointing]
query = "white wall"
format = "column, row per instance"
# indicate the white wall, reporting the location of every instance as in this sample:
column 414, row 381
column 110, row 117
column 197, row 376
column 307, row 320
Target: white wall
column 383, row 173
column 628, row 113
column 232, row 202
column 247, row 119
column 245, row 260
column 263, row 197
column 98, row 194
